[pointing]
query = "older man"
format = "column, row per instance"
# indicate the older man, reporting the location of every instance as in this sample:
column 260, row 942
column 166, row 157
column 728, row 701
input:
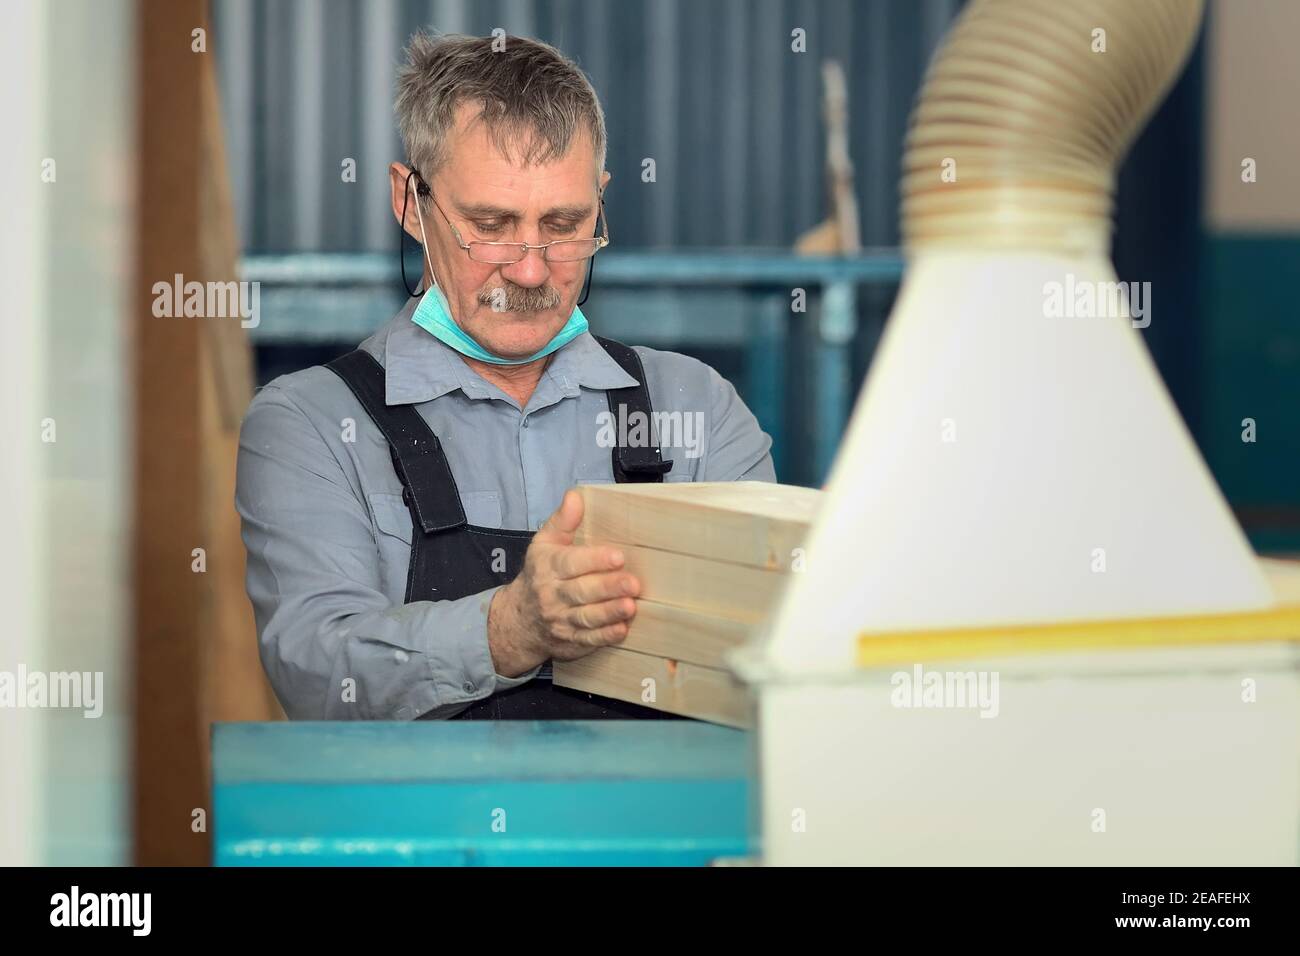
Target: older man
column 390, row 499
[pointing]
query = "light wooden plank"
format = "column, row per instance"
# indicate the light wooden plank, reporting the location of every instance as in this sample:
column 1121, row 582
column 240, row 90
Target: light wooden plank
column 685, row 635
column 742, row 593
column 225, row 340
column 235, row 685
column 754, row 523
column 691, row 690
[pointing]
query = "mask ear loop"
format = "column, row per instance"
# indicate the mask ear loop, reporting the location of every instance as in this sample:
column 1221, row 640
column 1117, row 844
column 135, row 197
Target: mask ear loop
column 424, row 246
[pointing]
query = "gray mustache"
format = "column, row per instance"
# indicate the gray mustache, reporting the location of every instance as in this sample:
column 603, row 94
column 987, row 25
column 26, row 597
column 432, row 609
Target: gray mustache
column 516, row 298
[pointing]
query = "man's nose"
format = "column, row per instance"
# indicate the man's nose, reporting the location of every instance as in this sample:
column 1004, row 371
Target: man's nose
column 530, row 271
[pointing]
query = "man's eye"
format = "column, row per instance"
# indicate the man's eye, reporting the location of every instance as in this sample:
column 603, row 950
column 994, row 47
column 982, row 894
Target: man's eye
column 489, row 228
column 563, row 228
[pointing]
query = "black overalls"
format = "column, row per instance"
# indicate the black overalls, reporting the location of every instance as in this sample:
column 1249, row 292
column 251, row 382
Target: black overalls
column 451, row 558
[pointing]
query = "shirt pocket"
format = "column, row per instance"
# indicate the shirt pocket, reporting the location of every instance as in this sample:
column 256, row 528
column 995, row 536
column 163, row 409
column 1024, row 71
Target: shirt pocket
column 482, row 508
column 392, row 517
column 393, row 542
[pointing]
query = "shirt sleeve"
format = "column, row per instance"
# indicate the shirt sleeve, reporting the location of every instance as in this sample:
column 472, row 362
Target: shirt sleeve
column 332, row 645
column 739, row 450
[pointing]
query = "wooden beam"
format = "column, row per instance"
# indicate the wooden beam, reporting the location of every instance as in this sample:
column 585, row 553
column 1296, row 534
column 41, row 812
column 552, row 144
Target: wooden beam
column 195, row 642
column 168, row 525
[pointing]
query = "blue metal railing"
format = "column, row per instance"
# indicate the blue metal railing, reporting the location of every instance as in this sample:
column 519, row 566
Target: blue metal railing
column 664, row 299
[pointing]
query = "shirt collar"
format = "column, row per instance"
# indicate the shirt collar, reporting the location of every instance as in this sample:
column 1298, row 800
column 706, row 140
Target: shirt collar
column 419, row 368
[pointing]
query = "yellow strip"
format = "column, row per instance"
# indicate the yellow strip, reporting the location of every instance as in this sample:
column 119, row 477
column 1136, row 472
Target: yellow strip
column 1276, row 624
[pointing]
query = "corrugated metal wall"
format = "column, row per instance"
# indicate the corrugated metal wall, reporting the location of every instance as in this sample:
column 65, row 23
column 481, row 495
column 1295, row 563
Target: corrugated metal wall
column 710, row 89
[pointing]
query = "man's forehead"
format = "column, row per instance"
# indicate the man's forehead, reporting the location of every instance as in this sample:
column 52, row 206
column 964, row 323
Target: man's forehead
column 473, row 149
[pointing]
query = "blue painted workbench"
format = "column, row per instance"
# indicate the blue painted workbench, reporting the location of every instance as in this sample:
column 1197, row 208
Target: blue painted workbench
column 480, row 793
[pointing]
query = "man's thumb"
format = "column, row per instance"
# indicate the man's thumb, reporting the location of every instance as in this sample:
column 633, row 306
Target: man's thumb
column 562, row 525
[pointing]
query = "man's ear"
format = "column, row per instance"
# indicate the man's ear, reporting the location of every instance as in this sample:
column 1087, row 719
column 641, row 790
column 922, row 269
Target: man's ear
column 604, row 179
column 397, row 178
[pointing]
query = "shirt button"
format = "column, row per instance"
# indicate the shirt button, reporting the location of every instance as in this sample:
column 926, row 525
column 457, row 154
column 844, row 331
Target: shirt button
column 525, row 423
column 468, row 687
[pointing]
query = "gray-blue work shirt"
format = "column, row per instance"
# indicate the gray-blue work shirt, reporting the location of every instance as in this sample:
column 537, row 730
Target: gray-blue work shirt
column 329, row 537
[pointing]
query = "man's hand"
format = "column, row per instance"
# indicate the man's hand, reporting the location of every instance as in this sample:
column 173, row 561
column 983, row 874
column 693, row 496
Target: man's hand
column 567, row 601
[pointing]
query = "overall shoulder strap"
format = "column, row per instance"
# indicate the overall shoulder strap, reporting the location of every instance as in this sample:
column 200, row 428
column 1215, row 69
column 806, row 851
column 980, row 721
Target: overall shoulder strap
column 428, row 487
column 633, row 464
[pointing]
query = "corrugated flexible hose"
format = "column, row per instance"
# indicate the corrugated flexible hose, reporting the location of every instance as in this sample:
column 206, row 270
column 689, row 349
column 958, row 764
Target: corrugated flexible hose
column 1026, row 111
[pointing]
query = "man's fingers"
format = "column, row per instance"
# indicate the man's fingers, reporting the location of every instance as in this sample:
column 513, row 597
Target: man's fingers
column 601, row 636
column 577, row 560
column 589, row 617
column 594, row 588
column 560, row 527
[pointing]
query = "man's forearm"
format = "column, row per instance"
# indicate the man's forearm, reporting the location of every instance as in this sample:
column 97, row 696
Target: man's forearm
column 398, row 663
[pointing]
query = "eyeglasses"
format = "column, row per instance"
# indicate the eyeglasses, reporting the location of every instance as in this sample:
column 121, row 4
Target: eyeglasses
column 504, row 253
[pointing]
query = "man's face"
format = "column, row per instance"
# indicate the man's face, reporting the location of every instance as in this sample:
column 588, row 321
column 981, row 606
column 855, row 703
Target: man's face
column 511, row 309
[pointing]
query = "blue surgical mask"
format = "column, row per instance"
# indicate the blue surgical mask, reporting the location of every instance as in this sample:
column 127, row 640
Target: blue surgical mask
column 434, row 316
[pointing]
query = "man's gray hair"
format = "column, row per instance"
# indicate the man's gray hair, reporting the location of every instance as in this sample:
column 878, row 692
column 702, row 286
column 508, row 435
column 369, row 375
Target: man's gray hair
column 532, row 98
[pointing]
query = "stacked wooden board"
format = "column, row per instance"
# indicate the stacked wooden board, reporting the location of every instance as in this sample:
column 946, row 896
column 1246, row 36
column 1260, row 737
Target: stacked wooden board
column 712, row 559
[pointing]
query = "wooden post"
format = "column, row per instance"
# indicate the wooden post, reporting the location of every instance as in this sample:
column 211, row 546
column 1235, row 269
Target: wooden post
column 192, row 381
column 168, row 521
